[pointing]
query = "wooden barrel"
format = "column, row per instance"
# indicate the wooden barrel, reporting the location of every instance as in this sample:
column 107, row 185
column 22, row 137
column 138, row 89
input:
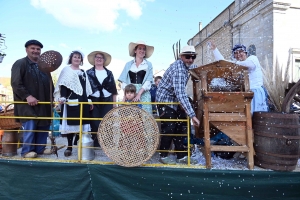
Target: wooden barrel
column 9, row 143
column 276, row 140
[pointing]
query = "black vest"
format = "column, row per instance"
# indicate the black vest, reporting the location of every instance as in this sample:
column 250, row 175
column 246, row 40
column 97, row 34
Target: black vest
column 138, row 77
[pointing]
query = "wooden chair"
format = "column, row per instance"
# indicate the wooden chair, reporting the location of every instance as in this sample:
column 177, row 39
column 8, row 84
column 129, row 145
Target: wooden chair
column 227, row 108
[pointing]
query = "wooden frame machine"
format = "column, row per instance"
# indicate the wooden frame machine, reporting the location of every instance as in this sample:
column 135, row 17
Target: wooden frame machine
column 226, row 107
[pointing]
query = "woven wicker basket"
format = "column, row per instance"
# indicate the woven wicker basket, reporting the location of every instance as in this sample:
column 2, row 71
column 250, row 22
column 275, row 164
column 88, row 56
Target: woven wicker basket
column 6, row 124
column 128, row 135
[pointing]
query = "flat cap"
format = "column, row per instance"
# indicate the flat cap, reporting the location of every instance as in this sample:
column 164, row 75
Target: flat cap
column 33, row 42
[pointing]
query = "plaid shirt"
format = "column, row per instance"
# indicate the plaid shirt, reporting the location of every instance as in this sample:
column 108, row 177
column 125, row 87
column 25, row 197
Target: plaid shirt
column 172, row 87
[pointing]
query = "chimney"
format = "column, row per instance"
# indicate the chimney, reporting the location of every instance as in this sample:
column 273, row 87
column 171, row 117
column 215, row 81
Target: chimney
column 200, row 26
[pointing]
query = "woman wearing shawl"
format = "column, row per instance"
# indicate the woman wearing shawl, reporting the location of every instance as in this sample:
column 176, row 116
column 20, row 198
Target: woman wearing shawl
column 73, row 86
column 139, row 72
column 103, row 86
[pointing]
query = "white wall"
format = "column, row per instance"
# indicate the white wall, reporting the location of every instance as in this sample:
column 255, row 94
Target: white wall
column 287, row 32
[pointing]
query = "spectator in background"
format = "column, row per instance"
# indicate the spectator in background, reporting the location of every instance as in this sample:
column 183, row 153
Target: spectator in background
column 153, row 89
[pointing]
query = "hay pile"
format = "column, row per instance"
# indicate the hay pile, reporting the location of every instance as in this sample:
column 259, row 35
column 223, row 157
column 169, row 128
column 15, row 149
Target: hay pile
column 276, row 80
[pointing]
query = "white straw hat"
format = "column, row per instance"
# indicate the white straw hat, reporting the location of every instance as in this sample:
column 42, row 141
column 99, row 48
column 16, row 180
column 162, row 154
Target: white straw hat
column 132, row 45
column 91, row 57
column 188, row 50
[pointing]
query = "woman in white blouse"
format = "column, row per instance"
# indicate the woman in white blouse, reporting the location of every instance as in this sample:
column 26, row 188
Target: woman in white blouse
column 103, row 86
column 239, row 53
column 139, row 72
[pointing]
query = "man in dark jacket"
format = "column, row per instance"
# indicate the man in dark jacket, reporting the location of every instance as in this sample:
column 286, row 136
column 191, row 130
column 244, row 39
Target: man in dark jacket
column 32, row 86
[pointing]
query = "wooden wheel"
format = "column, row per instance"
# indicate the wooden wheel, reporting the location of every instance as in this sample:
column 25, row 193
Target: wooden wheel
column 291, row 102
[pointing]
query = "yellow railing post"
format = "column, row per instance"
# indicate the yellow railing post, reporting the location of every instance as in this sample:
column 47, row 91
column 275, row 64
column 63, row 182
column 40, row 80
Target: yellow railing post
column 79, row 143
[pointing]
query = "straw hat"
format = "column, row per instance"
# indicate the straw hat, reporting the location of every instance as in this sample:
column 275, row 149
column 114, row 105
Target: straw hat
column 91, row 57
column 188, row 50
column 149, row 49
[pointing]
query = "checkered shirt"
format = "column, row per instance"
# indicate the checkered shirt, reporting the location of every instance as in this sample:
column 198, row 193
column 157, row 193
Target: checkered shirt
column 172, row 87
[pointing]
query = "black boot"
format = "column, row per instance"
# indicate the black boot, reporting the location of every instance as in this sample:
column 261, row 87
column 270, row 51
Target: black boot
column 68, row 151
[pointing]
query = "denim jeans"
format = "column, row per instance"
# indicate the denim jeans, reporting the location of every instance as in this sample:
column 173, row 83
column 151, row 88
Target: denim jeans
column 39, row 138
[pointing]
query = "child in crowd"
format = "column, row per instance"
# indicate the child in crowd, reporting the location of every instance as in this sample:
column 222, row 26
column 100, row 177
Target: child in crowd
column 130, row 93
column 131, row 126
column 152, row 91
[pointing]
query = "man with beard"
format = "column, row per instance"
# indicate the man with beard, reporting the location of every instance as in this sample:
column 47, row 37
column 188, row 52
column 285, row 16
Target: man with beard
column 32, row 86
column 172, row 88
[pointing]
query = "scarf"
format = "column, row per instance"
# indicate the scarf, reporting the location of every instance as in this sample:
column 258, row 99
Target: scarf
column 70, row 79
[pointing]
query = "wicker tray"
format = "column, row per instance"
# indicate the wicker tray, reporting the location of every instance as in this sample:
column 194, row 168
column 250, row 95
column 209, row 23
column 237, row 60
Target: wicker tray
column 6, row 124
column 128, row 135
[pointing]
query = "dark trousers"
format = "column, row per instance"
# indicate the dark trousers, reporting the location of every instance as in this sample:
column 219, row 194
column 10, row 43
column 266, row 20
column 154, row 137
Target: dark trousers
column 166, row 112
column 99, row 111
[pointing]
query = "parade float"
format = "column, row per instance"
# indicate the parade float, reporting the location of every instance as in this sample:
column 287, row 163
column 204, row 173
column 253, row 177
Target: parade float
column 226, row 107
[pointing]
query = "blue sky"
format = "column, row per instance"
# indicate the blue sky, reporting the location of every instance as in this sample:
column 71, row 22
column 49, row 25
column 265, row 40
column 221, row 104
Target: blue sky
column 89, row 25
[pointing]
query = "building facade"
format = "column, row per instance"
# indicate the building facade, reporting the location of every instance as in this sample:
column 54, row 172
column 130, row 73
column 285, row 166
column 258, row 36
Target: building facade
column 268, row 27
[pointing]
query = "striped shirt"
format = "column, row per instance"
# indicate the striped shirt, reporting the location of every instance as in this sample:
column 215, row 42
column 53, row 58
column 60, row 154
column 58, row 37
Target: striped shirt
column 172, row 87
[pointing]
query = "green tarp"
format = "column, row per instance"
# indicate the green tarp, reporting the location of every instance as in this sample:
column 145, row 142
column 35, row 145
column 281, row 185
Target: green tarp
column 47, row 180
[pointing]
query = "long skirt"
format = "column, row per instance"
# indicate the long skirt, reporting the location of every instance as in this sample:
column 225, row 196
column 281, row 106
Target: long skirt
column 146, row 97
column 260, row 100
column 99, row 111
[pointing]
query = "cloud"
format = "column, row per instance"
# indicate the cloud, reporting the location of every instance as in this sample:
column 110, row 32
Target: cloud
column 63, row 45
column 93, row 15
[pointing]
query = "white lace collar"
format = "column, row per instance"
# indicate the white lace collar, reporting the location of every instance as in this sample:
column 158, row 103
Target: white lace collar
column 70, row 79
